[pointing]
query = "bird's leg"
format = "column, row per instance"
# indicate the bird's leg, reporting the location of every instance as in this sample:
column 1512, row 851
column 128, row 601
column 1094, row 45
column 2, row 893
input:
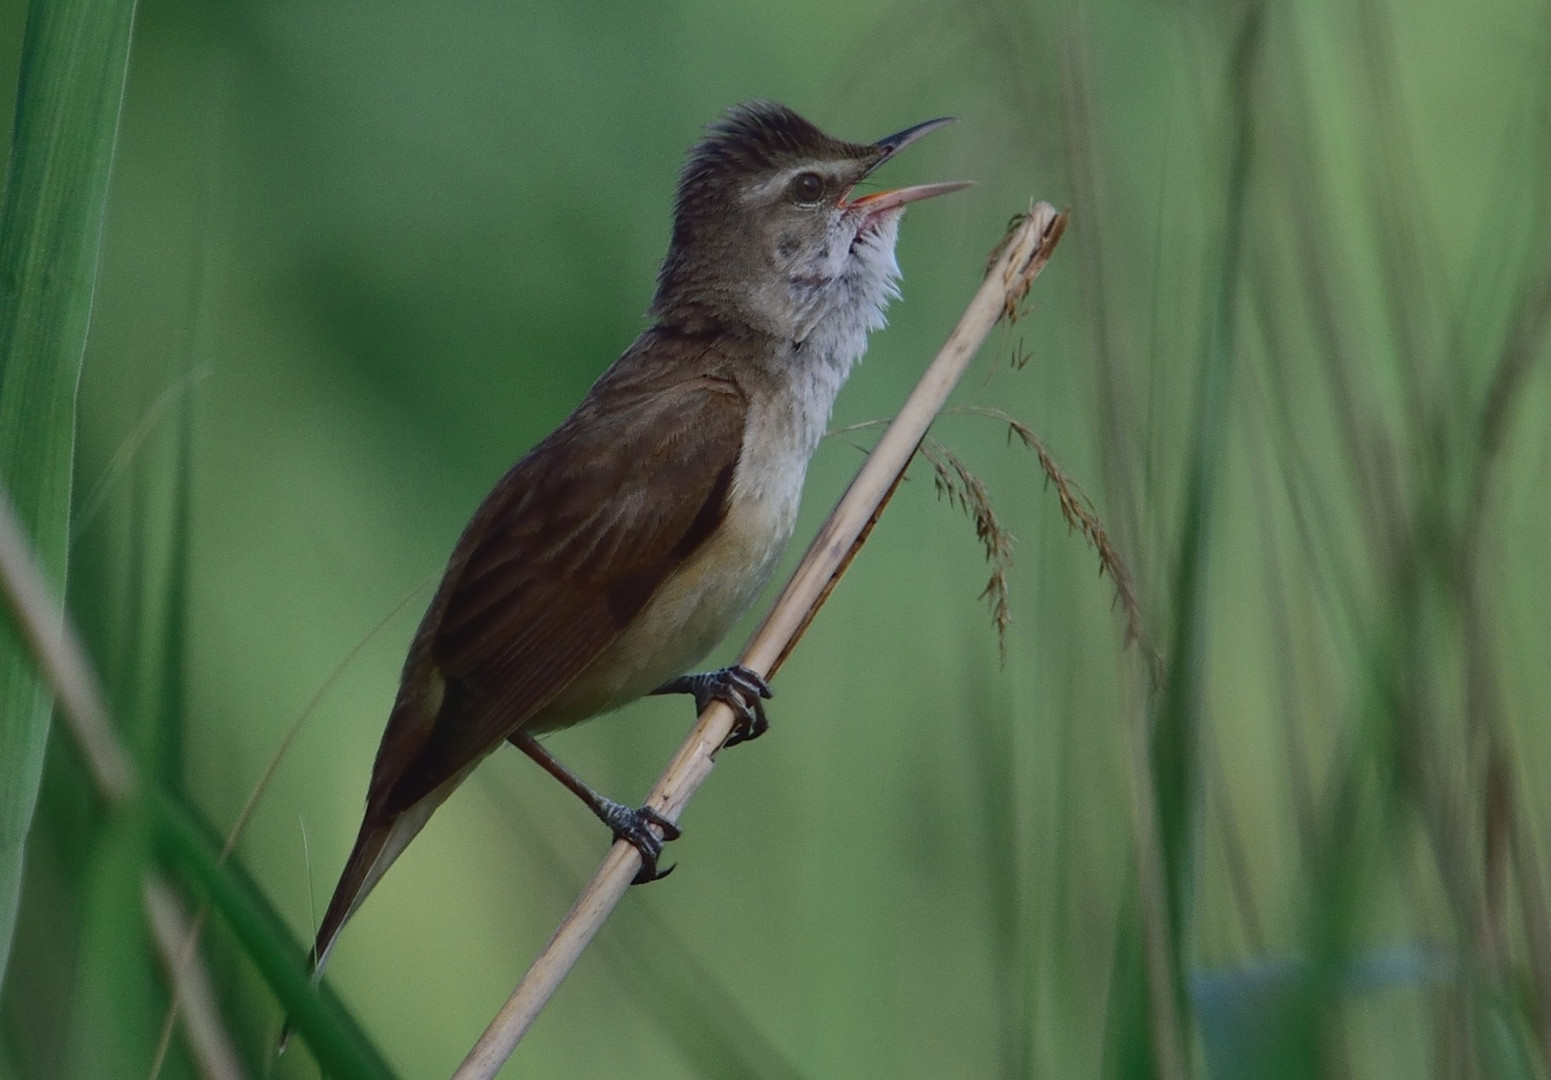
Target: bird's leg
column 738, row 687
column 633, row 825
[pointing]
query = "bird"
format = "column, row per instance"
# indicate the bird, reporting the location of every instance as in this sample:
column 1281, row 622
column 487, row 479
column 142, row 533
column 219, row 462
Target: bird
column 615, row 554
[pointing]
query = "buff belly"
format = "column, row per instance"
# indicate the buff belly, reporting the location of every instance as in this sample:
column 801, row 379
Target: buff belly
column 696, row 606
column 684, row 619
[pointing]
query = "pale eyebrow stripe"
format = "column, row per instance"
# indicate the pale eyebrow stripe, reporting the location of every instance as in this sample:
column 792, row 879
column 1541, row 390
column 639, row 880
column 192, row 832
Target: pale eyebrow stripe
column 778, row 182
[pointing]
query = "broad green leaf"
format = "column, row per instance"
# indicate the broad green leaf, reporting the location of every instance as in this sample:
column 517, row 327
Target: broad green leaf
column 74, row 57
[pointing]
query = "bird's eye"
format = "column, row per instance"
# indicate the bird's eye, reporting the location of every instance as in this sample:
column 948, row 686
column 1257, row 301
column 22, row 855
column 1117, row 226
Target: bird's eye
column 807, row 187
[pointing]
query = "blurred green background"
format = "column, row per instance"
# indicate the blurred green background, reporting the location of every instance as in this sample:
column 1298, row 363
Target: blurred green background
column 358, row 258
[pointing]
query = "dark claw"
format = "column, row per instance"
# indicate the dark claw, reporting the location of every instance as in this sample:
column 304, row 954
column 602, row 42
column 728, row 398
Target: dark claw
column 743, row 690
column 634, row 826
column 739, row 687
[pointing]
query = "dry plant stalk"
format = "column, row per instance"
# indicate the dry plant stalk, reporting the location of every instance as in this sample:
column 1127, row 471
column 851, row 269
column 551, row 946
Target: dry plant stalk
column 61, row 660
column 1019, row 259
column 172, row 930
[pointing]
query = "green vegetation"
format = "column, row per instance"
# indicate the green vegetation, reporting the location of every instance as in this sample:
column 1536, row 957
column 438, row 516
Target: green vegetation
column 355, row 260
column 69, row 90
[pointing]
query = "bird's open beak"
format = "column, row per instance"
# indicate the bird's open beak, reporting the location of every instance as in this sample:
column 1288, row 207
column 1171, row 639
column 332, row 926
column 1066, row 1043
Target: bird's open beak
column 896, row 142
column 879, row 201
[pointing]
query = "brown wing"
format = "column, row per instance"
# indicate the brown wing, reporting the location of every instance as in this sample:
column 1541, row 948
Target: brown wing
column 563, row 554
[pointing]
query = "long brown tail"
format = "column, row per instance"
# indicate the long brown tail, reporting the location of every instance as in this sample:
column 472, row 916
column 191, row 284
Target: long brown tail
column 377, row 845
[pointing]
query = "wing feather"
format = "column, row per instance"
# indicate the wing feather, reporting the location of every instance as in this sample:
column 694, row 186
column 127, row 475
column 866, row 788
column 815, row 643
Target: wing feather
column 563, row 554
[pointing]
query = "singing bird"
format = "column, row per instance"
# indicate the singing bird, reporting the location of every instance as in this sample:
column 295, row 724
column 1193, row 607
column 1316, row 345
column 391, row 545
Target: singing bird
column 620, row 549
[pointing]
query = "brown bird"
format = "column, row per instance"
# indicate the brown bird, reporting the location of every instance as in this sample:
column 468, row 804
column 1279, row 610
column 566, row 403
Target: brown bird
column 621, row 548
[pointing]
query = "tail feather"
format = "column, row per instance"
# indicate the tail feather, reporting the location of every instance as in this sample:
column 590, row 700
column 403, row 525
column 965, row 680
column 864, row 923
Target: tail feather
column 377, row 845
column 382, row 839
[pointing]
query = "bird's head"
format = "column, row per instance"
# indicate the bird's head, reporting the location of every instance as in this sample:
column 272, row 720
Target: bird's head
column 768, row 233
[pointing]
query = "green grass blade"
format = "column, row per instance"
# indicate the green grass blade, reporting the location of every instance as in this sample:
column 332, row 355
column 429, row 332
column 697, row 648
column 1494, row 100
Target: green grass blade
column 74, row 57
column 1175, row 733
column 1175, row 765
column 172, row 680
column 108, row 1028
column 342, row 1049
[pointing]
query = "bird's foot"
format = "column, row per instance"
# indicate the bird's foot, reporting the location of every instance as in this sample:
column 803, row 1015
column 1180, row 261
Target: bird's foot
column 742, row 689
column 635, row 827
